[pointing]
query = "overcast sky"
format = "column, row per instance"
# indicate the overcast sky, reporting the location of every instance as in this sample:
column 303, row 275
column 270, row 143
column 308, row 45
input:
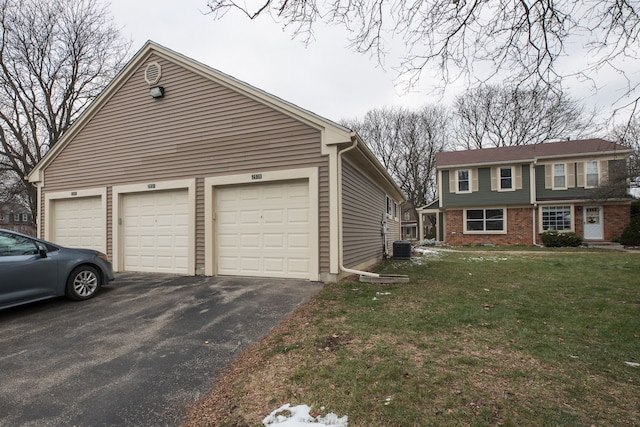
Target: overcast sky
column 327, row 77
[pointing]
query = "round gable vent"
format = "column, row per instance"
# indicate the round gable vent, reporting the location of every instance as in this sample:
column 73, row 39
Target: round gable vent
column 152, row 73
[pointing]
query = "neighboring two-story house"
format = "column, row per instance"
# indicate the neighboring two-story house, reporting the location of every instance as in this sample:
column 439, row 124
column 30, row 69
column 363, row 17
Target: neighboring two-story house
column 509, row 195
column 17, row 218
column 408, row 222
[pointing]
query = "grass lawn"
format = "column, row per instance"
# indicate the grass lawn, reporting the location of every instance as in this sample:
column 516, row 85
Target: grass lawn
column 475, row 339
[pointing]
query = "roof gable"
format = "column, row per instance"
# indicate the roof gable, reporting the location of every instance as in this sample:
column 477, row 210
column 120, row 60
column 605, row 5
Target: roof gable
column 332, row 133
column 528, row 153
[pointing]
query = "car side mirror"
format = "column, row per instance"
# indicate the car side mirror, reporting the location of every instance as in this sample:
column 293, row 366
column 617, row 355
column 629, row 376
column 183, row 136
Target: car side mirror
column 42, row 250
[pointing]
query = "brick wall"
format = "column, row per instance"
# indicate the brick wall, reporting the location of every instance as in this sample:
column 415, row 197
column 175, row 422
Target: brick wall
column 616, row 219
column 518, row 230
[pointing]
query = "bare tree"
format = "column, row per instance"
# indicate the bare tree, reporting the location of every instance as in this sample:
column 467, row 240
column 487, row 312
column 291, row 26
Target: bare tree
column 628, row 134
column 406, row 142
column 11, row 190
column 477, row 39
column 498, row 116
column 56, row 56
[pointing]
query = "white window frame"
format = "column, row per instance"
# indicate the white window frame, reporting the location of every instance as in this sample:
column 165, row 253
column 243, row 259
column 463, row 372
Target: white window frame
column 406, row 215
column 484, row 221
column 512, row 178
column 389, row 207
column 468, row 180
column 586, row 173
column 395, row 210
column 545, row 227
column 16, row 217
column 554, row 176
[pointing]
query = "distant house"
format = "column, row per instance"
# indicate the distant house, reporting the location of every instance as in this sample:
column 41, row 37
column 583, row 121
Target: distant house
column 179, row 168
column 509, row 195
column 408, row 222
column 15, row 217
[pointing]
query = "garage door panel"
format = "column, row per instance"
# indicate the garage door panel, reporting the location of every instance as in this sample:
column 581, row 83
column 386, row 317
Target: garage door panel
column 250, row 217
column 263, row 230
column 250, row 264
column 274, row 217
column 250, row 241
column 274, row 265
column 300, row 241
column 274, row 241
column 248, row 195
column 156, row 231
column 299, row 266
column 298, row 216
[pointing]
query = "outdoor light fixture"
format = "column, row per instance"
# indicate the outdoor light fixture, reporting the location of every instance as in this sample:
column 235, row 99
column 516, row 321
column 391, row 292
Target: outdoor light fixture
column 156, row 92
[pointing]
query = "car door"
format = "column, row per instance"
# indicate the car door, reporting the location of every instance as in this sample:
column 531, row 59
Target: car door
column 26, row 272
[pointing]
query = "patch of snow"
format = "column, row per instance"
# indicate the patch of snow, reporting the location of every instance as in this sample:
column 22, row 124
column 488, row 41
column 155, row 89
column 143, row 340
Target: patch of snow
column 425, row 251
column 484, row 259
column 300, row 417
column 633, row 364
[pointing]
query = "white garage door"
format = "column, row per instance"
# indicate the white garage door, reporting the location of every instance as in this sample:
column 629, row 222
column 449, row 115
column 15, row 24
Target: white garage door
column 262, row 230
column 79, row 223
column 155, row 231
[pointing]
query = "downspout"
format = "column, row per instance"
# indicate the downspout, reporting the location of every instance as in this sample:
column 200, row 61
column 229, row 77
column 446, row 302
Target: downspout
column 340, row 243
column 533, row 224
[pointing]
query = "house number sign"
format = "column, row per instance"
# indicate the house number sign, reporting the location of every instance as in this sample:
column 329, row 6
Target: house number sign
column 256, row 176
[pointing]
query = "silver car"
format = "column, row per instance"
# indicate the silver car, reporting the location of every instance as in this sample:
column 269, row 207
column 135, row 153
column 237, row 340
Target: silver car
column 32, row 269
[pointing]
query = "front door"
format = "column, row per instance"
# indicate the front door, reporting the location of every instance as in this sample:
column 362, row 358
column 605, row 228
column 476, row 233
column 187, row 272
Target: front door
column 593, row 229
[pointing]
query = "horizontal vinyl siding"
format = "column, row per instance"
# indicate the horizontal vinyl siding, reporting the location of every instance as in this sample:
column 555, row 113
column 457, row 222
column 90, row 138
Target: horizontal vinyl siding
column 363, row 208
column 324, row 232
column 485, row 196
column 200, row 225
column 543, row 193
column 199, row 129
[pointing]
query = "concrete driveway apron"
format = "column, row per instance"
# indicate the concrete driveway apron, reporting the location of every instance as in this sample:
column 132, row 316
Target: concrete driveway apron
column 137, row 354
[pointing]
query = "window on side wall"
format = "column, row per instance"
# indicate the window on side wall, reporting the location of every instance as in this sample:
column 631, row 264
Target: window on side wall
column 592, row 174
column 407, row 215
column 389, row 206
column 464, row 181
column 557, row 218
column 484, row 220
column 506, row 178
column 559, row 176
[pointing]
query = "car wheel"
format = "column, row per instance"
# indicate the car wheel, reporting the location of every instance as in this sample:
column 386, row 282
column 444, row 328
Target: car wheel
column 83, row 283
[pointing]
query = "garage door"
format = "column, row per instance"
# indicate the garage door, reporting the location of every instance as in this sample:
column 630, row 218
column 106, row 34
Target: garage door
column 155, row 231
column 263, row 230
column 79, row 223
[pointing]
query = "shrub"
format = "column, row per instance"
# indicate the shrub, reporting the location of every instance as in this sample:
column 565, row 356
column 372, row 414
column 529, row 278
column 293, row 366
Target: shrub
column 635, row 209
column 631, row 234
column 556, row 239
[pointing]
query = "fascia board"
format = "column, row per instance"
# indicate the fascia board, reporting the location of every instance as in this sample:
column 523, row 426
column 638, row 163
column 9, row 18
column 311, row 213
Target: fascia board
column 537, row 159
column 474, row 165
column 582, row 155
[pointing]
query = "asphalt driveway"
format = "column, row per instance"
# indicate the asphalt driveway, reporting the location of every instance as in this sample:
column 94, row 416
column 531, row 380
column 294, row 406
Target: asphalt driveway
column 137, row 354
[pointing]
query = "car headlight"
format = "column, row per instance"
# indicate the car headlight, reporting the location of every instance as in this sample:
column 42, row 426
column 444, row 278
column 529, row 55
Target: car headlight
column 103, row 257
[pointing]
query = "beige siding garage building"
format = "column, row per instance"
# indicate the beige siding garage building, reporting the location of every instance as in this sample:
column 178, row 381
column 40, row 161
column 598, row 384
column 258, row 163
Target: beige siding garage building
column 179, row 168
